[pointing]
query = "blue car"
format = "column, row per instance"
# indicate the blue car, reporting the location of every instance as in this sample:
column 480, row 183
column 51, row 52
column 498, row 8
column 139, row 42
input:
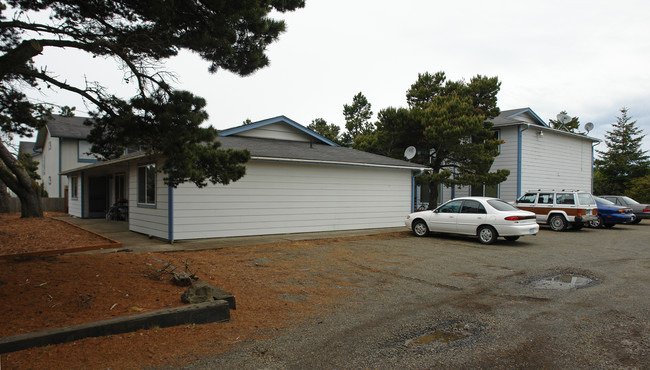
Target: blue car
column 609, row 214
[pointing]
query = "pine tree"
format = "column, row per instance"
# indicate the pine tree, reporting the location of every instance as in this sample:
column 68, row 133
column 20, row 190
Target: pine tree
column 141, row 36
column 328, row 131
column 624, row 160
column 357, row 118
column 446, row 123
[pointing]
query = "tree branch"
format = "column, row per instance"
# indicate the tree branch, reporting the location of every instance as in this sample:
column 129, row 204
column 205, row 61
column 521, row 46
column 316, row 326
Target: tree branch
column 37, row 28
column 19, row 56
column 84, row 93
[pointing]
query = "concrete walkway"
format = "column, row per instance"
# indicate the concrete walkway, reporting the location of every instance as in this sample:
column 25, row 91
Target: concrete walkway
column 139, row 243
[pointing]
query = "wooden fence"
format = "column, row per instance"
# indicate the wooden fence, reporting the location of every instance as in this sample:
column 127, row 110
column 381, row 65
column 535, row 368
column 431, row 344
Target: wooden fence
column 47, row 204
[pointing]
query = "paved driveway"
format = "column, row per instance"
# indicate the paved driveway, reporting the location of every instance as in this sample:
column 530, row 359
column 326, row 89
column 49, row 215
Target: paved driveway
column 451, row 302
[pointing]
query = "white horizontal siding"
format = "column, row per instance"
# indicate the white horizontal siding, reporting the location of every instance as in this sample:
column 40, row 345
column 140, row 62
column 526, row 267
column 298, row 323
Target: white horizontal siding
column 555, row 161
column 277, row 198
column 147, row 220
column 507, row 159
column 74, row 206
column 278, row 131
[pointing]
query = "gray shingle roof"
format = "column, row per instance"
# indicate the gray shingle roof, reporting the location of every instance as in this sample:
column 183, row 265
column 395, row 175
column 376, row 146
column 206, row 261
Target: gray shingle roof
column 63, row 127
column 68, row 127
column 509, row 117
column 297, row 150
column 289, row 151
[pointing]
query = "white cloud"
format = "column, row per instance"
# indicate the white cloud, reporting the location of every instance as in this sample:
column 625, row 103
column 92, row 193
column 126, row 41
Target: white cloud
column 586, row 57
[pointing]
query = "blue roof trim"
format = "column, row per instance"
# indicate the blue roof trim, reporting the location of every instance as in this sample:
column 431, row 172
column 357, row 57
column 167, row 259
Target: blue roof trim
column 290, row 122
column 528, row 110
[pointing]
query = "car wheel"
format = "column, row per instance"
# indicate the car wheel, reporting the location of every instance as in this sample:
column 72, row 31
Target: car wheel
column 420, row 228
column 597, row 223
column 487, row 234
column 638, row 219
column 609, row 226
column 558, row 223
column 512, row 238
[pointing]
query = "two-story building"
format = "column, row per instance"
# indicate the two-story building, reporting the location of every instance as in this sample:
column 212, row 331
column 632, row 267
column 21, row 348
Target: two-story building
column 538, row 157
column 61, row 145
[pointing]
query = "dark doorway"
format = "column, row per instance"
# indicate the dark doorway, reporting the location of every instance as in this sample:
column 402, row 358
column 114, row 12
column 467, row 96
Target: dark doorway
column 97, row 196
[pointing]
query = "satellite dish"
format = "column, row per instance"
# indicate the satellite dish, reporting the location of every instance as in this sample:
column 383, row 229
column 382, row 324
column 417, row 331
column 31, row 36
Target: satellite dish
column 589, row 126
column 410, row 152
column 563, row 118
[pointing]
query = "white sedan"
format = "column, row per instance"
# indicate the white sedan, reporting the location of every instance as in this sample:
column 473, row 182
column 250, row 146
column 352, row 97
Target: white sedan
column 486, row 218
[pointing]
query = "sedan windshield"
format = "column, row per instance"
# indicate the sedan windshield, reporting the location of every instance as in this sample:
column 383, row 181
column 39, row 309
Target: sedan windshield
column 500, row 205
column 629, row 200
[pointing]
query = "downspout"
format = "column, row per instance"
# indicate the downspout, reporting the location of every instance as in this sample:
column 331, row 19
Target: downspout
column 170, row 214
column 59, row 174
column 413, row 192
column 519, row 156
column 592, row 166
column 82, row 195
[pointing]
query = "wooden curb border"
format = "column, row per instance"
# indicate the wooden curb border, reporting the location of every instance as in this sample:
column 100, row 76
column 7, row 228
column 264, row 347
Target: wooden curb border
column 110, row 245
column 199, row 313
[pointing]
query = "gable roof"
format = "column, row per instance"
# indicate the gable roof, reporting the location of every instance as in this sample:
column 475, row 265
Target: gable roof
column 26, row 147
column 296, row 151
column 517, row 116
column 244, row 130
column 272, row 150
column 526, row 116
column 63, row 127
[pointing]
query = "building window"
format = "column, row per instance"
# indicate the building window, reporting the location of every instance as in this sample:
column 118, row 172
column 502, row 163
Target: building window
column 74, row 185
column 83, row 152
column 147, row 184
column 485, row 191
column 120, row 192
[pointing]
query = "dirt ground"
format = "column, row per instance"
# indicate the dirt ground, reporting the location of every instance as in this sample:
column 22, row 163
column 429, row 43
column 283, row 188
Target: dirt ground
column 381, row 302
column 54, row 291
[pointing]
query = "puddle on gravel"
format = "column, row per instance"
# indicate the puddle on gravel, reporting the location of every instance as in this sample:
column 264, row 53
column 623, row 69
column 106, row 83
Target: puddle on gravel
column 447, row 334
column 563, row 282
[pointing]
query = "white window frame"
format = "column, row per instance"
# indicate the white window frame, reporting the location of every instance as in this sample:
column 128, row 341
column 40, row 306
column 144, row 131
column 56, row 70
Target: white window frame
column 146, row 199
column 74, row 187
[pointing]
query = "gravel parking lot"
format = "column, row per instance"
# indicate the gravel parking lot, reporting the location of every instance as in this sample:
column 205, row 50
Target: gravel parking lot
column 445, row 301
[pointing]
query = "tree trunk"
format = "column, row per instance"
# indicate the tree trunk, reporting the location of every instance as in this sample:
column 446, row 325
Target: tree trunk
column 433, row 195
column 4, row 198
column 14, row 175
column 30, row 204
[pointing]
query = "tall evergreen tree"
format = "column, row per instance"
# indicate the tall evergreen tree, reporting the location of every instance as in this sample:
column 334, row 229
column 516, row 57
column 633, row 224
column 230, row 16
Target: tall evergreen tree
column 624, row 160
column 357, row 118
column 446, row 122
column 139, row 34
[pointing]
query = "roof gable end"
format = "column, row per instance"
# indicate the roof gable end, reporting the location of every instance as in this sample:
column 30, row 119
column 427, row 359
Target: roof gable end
column 278, row 128
column 526, row 115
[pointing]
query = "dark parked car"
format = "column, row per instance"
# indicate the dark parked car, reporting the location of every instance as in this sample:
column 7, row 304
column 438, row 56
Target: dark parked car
column 609, row 214
column 640, row 210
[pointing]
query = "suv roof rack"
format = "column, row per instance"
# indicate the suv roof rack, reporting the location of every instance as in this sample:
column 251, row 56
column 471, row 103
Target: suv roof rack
column 550, row 190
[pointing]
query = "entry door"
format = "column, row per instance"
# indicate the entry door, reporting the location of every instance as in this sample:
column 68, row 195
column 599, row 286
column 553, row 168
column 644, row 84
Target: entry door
column 97, row 196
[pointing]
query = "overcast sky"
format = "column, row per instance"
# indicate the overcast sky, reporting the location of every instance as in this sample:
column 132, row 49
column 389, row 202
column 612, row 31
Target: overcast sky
column 589, row 58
